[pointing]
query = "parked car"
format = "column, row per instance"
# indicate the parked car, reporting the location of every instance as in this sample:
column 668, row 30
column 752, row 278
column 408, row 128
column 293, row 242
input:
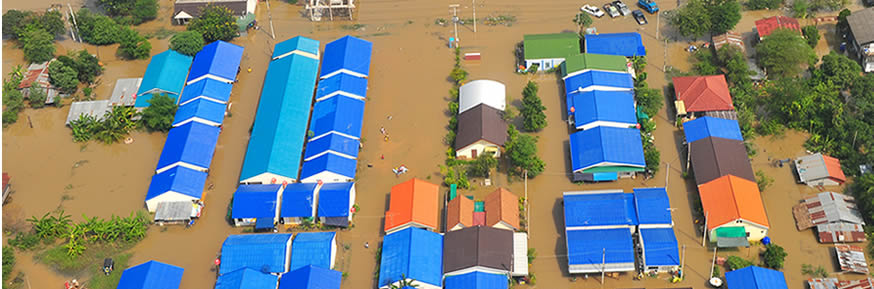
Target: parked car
column 638, row 15
column 612, row 11
column 594, row 11
column 623, row 9
column 649, row 5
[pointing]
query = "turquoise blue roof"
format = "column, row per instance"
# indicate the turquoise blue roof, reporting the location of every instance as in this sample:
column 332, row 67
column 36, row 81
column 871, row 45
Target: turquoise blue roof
column 296, row 43
column 166, row 73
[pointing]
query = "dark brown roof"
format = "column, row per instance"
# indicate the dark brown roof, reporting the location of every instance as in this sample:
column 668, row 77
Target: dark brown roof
column 478, row 246
column 714, row 157
column 194, row 8
column 480, row 123
column 862, row 25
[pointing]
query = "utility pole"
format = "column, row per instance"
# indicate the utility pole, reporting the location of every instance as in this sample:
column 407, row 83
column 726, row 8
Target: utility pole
column 270, row 19
column 527, row 205
column 658, row 21
column 683, row 264
column 474, row 14
column 455, row 21
column 603, row 263
column 704, row 237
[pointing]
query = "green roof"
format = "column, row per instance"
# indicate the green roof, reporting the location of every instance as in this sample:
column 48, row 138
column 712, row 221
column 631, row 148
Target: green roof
column 593, row 61
column 558, row 45
column 731, row 232
column 613, row 169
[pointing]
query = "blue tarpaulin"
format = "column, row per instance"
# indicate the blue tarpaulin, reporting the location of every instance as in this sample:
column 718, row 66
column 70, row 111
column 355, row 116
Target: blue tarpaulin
column 256, row 201
column 210, row 89
column 151, row 275
column 606, row 146
column 342, row 84
column 653, row 206
column 333, row 143
column 592, row 247
column 264, row 223
column 165, row 74
column 599, row 208
column 328, row 163
column 192, row 145
column 604, row 177
column 340, row 115
column 348, row 55
column 202, row 111
column 414, row 253
column 297, row 43
column 594, row 107
column 313, row 248
column 334, row 199
column 311, row 277
column 627, row 44
column 263, row 252
column 179, row 180
column 246, row 278
column 297, row 200
column 218, row 60
column 598, row 80
column 704, row 127
column 477, row 280
column 659, row 247
column 753, row 277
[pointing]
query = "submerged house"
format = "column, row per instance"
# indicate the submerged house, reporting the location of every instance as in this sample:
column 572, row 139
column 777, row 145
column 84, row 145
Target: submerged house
column 478, row 249
column 819, row 170
column 151, row 275
column 477, row 280
column 481, row 130
column 734, row 212
column 328, row 168
column 337, row 115
column 217, row 61
column 335, row 144
column 186, row 10
column 415, row 254
column 598, row 80
column 861, row 38
column 628, row 44
column 299, row 202
column 705, row 127
column 257, row 205
column 754, row 277
column 343, row 84
column 246, row 278
column 766, row 26
column 577, row 64
column 596, row 108
column 37, row 75
column 482, row 91
column 165, row 74
column 200, row 110
column 336, row 202
column 606, row 154
column 208, row 89
column 125, row 91
column 191, row 145
column 715, row 157
column 412, row 204
column 317, row 249
column 697, row 95
column 548, row 51
column 267, row 253
column 311, row 277
column 349, row 55
column 598, row 229
column 502, row 210
column 179, row 184
column 656, row 237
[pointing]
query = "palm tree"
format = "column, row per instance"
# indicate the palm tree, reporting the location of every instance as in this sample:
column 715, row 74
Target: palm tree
column 404, row 283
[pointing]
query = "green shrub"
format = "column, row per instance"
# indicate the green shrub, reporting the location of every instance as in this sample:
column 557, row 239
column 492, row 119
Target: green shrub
column 774, row 256
column 735, row 262
column 187, row 42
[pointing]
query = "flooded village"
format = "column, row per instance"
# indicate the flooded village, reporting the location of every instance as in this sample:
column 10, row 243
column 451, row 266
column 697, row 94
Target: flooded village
column 335, row 155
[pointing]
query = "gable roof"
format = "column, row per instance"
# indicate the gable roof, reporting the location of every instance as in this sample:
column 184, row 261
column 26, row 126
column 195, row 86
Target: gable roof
column 831, row 207
column 334, row 199
column 728, row 38
column 329, row 163
column 556, row 45
column 626, row 44
column 766, row 26
column 606, row 146
column 502, row 206
column 477, row 247
column 482, row 91
column 459, row 211
column 200, row 110
column 860, row 23
column 612, row 248
column 349, row 55
column 582, row 82
column 482, row 122
column 343, row 84
column 332, row 143
column 476, row 280
column 297, row 43
column 261, row 252
column 660, row 247
column 703, row 93
column 313, row 248
column 246, row 278
column 753, row 277
column 730, row 198
column 255, row 201
column 298, row 199
column 715, row 157
column 166, row 71
column 218, row 59
column 704, row 127
column 599, row 208
column 209, row 88
column 192, row 143
column 583, row 61
column 415, row 253
column 151, row 275
column 652, row 206
column 412, row 201
column 178, row 179
column 818, row 166
column 598, row 105
column 311, row 277
column 341, row 115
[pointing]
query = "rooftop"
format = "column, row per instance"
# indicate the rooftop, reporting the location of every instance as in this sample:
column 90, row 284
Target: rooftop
column 413, row 201
column 262, row 252
column 818, row 166
column 860, row 24
column 730, row 198
column 414, row 253
column 482, row 122
column 766, row 26
column 704, row 127
column 255, row 201
column 627, row 44
column 478, row 247
column 599, row 208
column 753, row 277
column 714, row 157
column 703, row 93
column 558, row 45
column 584, row 61
column 313, row 248
column 502, row 206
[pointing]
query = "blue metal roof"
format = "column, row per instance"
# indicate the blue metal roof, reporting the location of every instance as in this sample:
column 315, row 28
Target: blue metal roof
column 219, row 59
column 255, row 201
column 296, row 43
column 151, row 275
column 311, row 277
column 341, row 115
column 653, row 206
column 583, row 80
column 593, row 246
column 209, row 88
column 276, row 144
column 413, row 252
column 334, row 199
column 333, row 143
column 595, row 208
column 753, row 277
column 704, row 127
column 312, row 248
column 261, row 252
column 613, row 106
column 342, row 84
column 625, row 44
column 166, row 72
column 192, row 143
column 606, row 146
column 178, row 179
column 297, row 200
column 477, row 280
column 202, row 109
column 246, row 278
column 347, row 54
column 660, row 247
column 329, row 163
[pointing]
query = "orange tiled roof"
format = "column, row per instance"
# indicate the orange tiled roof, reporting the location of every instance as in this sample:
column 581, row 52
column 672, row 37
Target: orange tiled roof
column 729, row 198
column 412, row 201
column 703, row 93
column 833, row 166
column 459, row 211
column 502, row 205
column 766, row 26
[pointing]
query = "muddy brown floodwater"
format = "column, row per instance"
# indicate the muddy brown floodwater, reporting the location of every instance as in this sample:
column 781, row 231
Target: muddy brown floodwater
column 408, row 82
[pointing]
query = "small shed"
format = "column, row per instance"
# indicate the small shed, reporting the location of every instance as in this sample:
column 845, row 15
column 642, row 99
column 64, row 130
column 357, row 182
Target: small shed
column 705, row 127
column 125, row 91
column 296, row 45
column 94, row 108
column 191, row 145
column 299, row 203
column 598, row 80
column 314, row 248
column 180, row 212
column 831, row 207
column 733, row 203
column 200, row 110
column 165, row 74
column 840, row 233
column 335, row 144
column 218, row 60
column 479, row 248
column 482, row 91
column 595, row 108
column 311, row 277
column 328, row 168
column 754, row 277
column 336, row 202
column 819, row 170
column 548, row 51
column 714, row 157
column 338, row 115
column 628, row 44
column 520, row 254
column 343, row 84
column 175, row 184
column 851, row 258
column 256, row 205
column 653, row 208
column 208, row 89
column 151, row 275
column 477, row 280
column 246, row 278
column 660, row 250
column 766, row 26
column 696, row 95
column 267, row 253
column 502, row 210
column 412, row 203
column 414, row 253
column 349, row 55
column 728, row 38
column 481, row 130
column 459, row 213
column 599, row 250
column 583, row 62
column 611, row 150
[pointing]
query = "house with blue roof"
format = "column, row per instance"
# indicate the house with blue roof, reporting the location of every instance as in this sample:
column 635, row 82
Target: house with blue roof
column 332, row 144
column 595, row 108
column 278, row 134
column 704, row 127
column 151, row 275
column 296, row 45
column 628, row 44
column 591, row 251
column 218, row 60
column 209, row 89
column 653, row 208
column 165, row 74
column 268, row 253
column 175, row 185
column 335, row 203
column 477, row 280
column 343, row 84
column 414, row 253
column 200, row 110
column 606, row 153
column 337, row 115
column 601, row 208
column 256, row 205
column 754, row 277
column 299, row 203
column 246, row 278
column 598, row 80
column 314, row 248
column 311, row 277
column 328, row 168
column 191, row 145
column 349, row 55
column 660, row 250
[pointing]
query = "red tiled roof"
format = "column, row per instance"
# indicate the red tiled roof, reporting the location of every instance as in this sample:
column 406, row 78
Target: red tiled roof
column 833, row 166
column 479, row 218
column 703, row 93
column 766, row 26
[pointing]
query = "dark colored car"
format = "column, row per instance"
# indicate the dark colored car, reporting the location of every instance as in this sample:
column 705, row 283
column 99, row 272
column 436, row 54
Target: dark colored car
column 638, row 15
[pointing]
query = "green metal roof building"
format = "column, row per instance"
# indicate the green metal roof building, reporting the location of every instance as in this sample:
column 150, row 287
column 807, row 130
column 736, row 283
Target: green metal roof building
column 580, row 63
column 549, row 50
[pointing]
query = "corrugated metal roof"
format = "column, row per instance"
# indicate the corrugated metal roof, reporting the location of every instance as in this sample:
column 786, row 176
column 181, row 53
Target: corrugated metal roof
column 218, row 59
column 482, row 91
column 861, row 23
column 255, row 201
column 599, row 208
column 477, row 280
column 201, row 110
column 166, row 72
column 851, row 258
column 715, row 157
column 328, row 163
column 627, row 44
column 341, row 115
column 592, row 248
column 95, row 108
column 818, row 166
column 585, row 61
column 704, row 127
column 520, row 254
column 606, row 146
column 335, row 199
column 753, row 277
column 261, row 252
column 313, row 248
column 766, row 26
column 297, row 43
column 298, row 199
column 660, row 247
column 349, row 55
column 830, row 207
column 607, row 106
column 246, row 278
column 343, row 84
column 178, row 179
column 840, row 233
column 151, row 275
column 481, row 122
column 582, row 82
column 125, row 91
column 652, row 205
column 557, row 45
column 192, row 143
column 311, row 277
column 834, row 283
column 174, row 211
column 207, row 88
column 415, row 253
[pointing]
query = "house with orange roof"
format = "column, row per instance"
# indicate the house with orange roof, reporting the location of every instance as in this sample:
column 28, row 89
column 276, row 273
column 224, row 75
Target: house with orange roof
column 459, row 214
column 819, row 170
column 412, row 203
column 502, row 210
column 734, row 211
column 696, row 95
column 766, row 26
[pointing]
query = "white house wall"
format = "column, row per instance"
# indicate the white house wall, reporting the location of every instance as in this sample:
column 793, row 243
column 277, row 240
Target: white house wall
column 822, row 182
column 267, row 178
column 544, row 63
column 170, row 196
column 480, row 146
column 757, row 232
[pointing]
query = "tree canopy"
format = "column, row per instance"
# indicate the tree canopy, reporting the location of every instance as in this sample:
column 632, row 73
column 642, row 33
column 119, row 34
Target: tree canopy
column 216, row 22
column 97, row 29
column 63, row 77
column 774, row 256
column 763, row 4
column 724, row 15
column 187, row 42
column 521, row 150
column 784, row 53
column 533, row 117
column 38, row 45
column 134, row 46
column 14, row 21
column 693, row 19
column 158, row 116
column 131, row 11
